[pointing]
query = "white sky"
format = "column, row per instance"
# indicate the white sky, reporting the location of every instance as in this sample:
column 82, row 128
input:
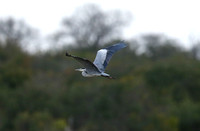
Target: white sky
column 179, row 19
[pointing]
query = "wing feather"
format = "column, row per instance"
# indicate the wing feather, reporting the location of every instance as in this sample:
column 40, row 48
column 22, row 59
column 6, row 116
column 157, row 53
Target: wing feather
column 104, row 55
column 100, row 59
column 86, row 63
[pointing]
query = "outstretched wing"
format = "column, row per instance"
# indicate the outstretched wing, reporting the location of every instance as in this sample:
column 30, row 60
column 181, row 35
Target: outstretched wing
column 104, row 55
column 86, row 63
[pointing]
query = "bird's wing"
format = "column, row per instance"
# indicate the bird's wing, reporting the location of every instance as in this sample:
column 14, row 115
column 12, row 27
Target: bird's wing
column 86, row 63
column 104, row 55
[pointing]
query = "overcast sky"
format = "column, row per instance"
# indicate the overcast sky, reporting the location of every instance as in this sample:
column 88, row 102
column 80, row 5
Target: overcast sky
column 178, row 19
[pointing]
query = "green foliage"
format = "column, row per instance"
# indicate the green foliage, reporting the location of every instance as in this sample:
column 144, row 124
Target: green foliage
column 189, row 114
column 38, row 121
column 15, row 65
column 151, row 92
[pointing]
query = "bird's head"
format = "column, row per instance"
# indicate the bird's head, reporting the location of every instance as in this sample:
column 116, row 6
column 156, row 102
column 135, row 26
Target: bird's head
column 80, row 69
column 83, row 70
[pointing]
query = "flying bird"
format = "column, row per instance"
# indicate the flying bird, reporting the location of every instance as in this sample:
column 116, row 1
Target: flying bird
column 100, row 63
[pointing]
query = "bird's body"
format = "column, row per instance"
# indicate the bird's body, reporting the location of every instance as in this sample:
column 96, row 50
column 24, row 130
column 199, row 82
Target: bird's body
column 101, row 61
column 92, row 74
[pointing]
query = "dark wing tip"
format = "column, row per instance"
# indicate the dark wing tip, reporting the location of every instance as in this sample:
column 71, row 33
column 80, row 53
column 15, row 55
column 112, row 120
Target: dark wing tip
column 67, row 54
column 122, row 41
column 123, row 44
column 117, row 46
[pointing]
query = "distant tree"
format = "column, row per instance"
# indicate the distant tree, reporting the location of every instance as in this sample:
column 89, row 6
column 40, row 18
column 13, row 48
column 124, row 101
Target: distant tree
column 195, row 51
column 38, row 121
column 91, row 26
column 159, row 46
column 14, row 65
column 16, row 31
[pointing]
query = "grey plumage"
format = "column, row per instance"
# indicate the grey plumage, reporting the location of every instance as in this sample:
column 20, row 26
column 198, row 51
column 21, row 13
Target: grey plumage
column 104, row 55
column 100, row 63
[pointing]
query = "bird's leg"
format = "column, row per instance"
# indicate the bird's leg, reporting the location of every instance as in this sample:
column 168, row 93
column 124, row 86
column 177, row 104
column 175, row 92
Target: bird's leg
column 110, row 77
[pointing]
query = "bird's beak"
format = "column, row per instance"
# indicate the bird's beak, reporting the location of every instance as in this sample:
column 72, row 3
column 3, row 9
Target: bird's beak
column 79, row 70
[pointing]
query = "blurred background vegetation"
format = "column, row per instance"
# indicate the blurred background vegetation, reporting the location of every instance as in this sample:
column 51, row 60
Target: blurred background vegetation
column 157, row 86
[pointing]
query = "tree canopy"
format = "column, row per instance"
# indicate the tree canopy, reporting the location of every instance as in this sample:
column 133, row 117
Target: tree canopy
column 156, row 89
column 91, row 26
column 151, row 92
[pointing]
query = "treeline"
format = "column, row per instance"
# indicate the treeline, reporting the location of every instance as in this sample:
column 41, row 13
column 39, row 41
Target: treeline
column 157, row 89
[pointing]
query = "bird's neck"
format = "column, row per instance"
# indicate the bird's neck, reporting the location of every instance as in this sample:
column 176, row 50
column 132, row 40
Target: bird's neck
column 84, row 73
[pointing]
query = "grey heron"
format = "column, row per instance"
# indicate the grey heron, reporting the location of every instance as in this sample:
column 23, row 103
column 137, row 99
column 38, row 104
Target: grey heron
column 100, row 63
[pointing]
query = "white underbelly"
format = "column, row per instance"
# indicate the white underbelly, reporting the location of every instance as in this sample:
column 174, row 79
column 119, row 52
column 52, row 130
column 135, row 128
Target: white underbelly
column 90, row 75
